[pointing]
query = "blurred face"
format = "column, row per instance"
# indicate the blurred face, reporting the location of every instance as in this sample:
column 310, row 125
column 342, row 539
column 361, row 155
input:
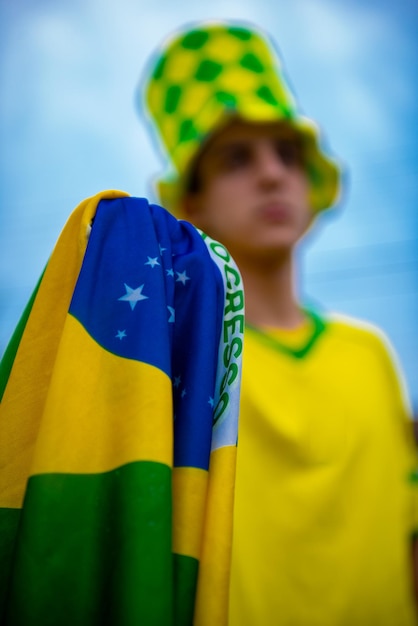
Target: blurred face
column 252, row 191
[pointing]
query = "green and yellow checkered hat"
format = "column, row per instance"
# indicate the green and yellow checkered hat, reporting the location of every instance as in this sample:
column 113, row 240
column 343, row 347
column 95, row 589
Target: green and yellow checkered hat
column 218, row 70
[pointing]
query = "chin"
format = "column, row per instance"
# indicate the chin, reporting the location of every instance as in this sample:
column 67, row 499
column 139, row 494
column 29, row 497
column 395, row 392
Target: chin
column 271, row 252
column 281, row 241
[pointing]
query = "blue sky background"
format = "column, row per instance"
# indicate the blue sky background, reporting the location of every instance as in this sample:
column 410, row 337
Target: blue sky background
column 69, row 71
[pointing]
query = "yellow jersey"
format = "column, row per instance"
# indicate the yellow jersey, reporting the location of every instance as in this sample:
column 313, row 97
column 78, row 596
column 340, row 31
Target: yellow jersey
column 324, row 504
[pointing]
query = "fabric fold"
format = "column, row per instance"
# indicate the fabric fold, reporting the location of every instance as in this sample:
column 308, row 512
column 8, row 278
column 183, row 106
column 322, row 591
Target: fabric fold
column 113, row 453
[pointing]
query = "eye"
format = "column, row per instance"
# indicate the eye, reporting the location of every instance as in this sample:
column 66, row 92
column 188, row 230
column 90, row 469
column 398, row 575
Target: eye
column 236, row 156
column 290, row 152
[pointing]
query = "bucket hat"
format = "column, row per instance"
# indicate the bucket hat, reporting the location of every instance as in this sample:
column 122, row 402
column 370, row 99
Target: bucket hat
column 209, row 73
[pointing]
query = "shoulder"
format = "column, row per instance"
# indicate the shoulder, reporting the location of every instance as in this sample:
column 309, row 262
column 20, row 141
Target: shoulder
column 365, row 348
column 363, row 338
column 357, row 331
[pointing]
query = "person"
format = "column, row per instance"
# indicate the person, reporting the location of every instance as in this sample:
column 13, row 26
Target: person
column 324, row 514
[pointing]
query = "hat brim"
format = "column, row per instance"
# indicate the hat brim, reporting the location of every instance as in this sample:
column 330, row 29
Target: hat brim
column 323, row 171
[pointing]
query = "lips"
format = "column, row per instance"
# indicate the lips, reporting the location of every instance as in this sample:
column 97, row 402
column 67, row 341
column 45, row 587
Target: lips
column 276, row 212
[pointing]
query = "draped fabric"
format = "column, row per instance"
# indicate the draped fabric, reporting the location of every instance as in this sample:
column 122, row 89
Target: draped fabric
column 118, row 426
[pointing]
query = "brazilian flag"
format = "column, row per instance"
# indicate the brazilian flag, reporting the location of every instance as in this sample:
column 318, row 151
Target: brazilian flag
column 115, row 491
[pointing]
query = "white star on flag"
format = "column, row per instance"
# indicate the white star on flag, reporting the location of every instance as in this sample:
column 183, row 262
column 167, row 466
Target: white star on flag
column 182, row 277
column 170, row 272
column 183, row 393
column 133, row 295
column 172, row 317
column 152, row 262
column 121, row 334
column 177, row 381
column 211, row 401
column 162, row 250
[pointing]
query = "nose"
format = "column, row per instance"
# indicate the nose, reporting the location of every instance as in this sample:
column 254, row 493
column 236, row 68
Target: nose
column 270, row 167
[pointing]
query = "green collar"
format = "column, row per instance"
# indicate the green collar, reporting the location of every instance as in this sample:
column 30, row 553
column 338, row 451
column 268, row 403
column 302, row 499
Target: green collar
column 318, row 327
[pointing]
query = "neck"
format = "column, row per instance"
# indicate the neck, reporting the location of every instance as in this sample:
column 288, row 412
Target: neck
column 270, row 298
